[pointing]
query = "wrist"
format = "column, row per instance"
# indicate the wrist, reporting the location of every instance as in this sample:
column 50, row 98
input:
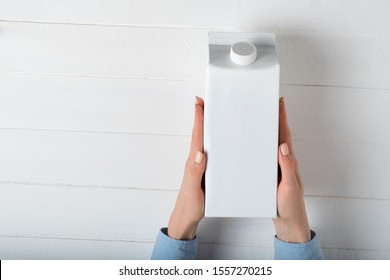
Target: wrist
column 181, row 228
column 293, row 234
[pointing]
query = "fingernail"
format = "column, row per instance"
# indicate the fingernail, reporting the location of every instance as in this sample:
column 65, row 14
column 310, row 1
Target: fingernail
column 198, row 157
column 284, row 149
column 196, row 100
column 281, row 99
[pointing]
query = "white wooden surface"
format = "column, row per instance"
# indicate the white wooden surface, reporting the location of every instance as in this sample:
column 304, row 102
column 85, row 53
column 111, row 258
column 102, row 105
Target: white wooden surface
column 96, row 107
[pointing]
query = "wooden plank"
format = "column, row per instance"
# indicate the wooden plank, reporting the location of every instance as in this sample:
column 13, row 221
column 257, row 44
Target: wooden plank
column 232, row 14
column 335, row 59
column 343, row 169
column 133, row 215
column 13, row 248
column 157, row 162
column 96, row 104
column 350, row 223
column 306, row 58
column 103, row 51
column 27, row 248
column 320, row 114
column 334, row 115
column 93, row 159
column 84, row 213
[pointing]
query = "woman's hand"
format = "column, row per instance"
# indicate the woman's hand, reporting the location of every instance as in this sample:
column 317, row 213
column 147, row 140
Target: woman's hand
column 189, row 208
column 291, row 223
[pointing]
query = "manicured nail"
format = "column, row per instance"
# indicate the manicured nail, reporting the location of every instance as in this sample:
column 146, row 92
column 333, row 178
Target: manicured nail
column 196, row 100
column 284, row 149
column 198, row 157
column 281, row 99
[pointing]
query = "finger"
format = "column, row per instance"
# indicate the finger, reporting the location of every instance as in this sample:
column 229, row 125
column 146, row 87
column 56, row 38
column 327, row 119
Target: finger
column 194, row 169
column 197, row 131
column 286, row 164
column 285, row 137
column 199, row 101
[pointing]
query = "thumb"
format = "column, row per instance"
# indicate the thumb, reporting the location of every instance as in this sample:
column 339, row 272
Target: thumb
column 286, row 164
column 200, row 160
column 196, row 165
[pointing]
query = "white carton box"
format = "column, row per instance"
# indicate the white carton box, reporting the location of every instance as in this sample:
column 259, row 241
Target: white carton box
column 241, row 125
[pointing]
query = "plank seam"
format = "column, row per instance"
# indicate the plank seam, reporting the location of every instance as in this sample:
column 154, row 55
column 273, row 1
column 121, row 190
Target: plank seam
column 180, row 80
column 122, row 240
column 152, row 241
column 101, row 76
column 348, row 197
column 113, row 25
column 65, row 185
column 206, row 28
column 95, row 131
column 301, row 139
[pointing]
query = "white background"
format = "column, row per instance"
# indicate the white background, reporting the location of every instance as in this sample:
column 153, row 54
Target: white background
column 96, row 269
column 96, row 108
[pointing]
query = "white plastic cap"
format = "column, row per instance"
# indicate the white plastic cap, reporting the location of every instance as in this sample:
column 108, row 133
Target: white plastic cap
column 243, row 53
